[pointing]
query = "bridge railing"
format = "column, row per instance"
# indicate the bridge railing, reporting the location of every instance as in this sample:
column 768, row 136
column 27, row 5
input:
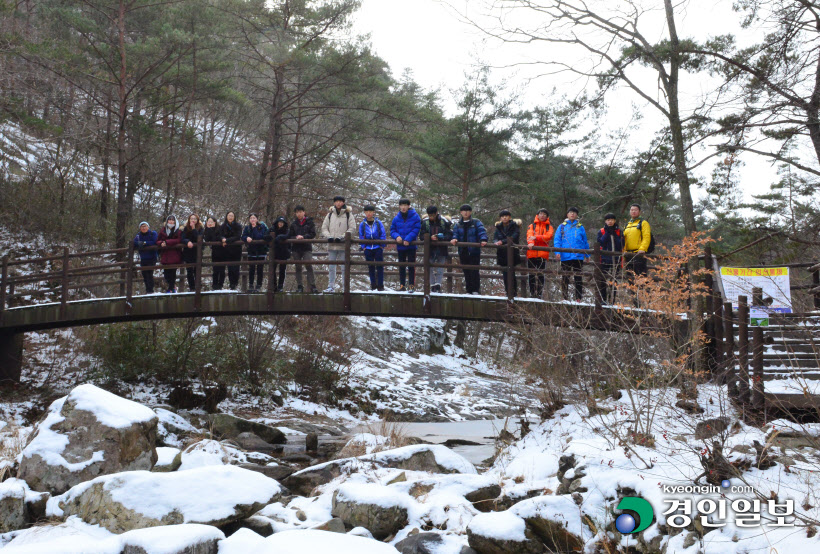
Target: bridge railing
column 72, row 276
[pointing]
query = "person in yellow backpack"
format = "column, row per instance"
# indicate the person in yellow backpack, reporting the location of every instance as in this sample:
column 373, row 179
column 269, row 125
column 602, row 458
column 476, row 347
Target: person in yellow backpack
column 637, row 241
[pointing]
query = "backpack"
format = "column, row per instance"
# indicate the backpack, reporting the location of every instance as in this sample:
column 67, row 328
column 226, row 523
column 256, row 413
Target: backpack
column 651, row 238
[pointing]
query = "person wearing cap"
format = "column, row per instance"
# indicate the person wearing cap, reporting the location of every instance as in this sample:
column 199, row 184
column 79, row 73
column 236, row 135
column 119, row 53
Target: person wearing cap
column 571, row 234
column 440, row 230
column 637, row 240
column 337, row 223
column 539, row 233
column 468, row 229
column 404, row 229
column 145, row 239
column 169, row 238
column 373, row 229
column 611, row 239
column 303, row 228
column 507, row 227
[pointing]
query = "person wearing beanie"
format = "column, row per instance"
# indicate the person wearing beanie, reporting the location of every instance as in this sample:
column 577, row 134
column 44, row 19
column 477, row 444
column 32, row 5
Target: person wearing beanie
column 440, row 230
column 404, row 229
column 302, row 227
column 253, row 232
column 144, row 241
column 470, row 230
column 373, row 229
column 611, row 239
column 169, row 239
column 572, row 235
column 507, row 228
column 539, row 233
column 280, row 231
column 337, row 223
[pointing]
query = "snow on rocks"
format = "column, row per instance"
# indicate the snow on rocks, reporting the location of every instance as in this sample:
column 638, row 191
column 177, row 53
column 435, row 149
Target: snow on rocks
column 381, row 510
column 542, row 524
column 19, row 505
column 77, row 536
column 171, row 426
column 432, row 458
column 88, row 433
column 213, row 495
column 300, row 542
column 168, row 459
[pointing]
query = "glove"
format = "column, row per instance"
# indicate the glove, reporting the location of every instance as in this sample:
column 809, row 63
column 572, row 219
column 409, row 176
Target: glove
column 331, row 239
column 339, row 240
column 142, row 244
column 440, row 236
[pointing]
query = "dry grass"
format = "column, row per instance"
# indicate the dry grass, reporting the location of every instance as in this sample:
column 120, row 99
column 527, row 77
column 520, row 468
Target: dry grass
column 395, row 433
column 12, row 443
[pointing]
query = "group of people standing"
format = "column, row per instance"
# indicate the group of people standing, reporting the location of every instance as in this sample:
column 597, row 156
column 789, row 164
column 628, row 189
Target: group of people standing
column 177, row 245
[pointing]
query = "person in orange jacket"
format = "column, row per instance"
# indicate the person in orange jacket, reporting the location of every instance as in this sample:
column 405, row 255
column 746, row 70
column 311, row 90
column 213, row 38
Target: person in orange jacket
column 539, row 233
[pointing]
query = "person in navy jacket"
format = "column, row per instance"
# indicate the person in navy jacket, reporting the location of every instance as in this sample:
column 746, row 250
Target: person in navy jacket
column 148, row 258
column 404, row 230
column 281, row 250
column 571, row 234
column 373, row 229
column 611, row 239
column 256, row 230
column 467, row 229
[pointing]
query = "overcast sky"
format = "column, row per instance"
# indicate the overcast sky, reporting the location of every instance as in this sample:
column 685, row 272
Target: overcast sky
column 429, row 38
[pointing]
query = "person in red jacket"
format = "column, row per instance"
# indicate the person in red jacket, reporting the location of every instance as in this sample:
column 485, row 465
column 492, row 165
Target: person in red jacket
column 539, row 233
column 169, row 237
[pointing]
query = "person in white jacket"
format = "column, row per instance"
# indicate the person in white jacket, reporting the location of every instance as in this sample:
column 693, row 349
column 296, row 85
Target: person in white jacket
column 338, row 221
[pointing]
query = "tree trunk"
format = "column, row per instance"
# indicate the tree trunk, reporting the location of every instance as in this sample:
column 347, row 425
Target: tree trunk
column 676, row 125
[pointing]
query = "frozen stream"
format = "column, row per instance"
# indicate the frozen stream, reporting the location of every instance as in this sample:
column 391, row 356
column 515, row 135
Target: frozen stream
column 481, row 431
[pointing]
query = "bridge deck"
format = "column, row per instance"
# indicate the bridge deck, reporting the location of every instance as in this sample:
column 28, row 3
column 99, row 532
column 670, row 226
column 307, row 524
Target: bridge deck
column 441, row 306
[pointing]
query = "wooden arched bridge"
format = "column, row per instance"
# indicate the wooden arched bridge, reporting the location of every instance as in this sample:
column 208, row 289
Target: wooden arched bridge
column 88, row 288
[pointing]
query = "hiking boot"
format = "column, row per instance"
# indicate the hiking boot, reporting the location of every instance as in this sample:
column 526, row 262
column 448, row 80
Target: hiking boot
column 401, row 288
column 435, row 288
column 381, row 289
column 411, row 288
column 300, row 289
column 328, row 290
column 314, row 290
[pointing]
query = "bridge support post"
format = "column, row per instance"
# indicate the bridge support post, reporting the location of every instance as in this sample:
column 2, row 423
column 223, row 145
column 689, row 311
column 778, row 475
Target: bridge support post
column 129, row 278
column 757, row 368
column 729, row 349
column 348, row 263
column 11, row 357
column 597, row 277
column 428, row 308
column 815, row 282
column 510, row 276
column 743, row 347
column 200, row 246
column 64, row 285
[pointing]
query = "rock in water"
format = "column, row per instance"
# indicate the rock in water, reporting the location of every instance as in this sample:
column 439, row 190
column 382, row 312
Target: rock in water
column 213, row 495
column 88, row 433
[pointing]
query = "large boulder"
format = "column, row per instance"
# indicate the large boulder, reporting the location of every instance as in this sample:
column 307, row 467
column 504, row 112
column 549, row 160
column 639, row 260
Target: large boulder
column 379, row 509
column 12, row 506
column 420, row 543
column 88, row 433
column 172, row 539
column 432, row 458
column 307, row 540
column 212, row 495
column 541, row 524
column 227, row 426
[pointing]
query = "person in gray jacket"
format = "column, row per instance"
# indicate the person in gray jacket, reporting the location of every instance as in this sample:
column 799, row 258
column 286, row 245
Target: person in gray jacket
column 338, row 221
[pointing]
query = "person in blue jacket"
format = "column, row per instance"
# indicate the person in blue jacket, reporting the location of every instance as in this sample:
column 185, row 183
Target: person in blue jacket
column 253, row 231
column 148, row 258
column 373, row 229
column 404, row 230
column 571, row 234
column 611, row 239
column 467, row 229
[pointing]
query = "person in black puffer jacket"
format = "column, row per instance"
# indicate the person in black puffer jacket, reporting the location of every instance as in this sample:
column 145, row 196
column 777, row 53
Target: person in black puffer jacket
column 506, row 228
column 190, row 236
column 213, row 233
column 256, row 230
column 302, row 227
column 231, row 232
column 281, row 250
